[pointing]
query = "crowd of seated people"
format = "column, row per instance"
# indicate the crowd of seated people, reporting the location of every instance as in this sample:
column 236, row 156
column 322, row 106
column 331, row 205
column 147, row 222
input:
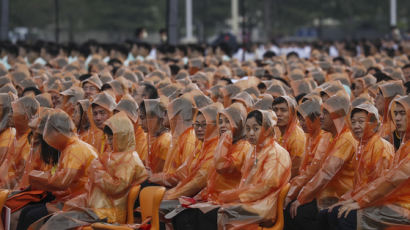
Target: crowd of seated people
column 81, row 125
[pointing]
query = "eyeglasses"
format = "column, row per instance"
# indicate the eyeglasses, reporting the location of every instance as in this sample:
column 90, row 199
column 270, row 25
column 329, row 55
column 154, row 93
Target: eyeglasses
column 198, row 125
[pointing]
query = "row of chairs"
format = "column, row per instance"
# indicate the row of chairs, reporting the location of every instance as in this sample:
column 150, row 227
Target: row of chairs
column 150, row 201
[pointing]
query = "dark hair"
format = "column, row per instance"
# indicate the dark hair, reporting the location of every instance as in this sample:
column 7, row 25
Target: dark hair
column 269, row 54
column 406, row 66
column 357, row 110
column 261, row 85
column 151, row 91
column 142, row 108
column 299, row 97
column 145, row 46
column 84, row 77
column 278, row 100
column 229, row 81
column 108, row 131
column 341, row 59
column 407, row 85
column 106, row 86
column 257, row 115
column 49, row 154
column 34, row 89
column 380, row 76
column 293, row 53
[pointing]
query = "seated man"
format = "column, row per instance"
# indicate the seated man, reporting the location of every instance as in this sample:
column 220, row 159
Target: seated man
column 384, row 202
column 290, row 135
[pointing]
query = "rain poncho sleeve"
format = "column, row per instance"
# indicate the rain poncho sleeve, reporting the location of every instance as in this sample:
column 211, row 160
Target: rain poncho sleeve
column 69, row 177
column 306, row 173
column 335, row 176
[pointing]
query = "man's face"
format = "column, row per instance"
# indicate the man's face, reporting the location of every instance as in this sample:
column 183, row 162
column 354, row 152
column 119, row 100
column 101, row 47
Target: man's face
column 400, row 118
column 302, row 123
column 100, row 115
column 90, row 90
column 282, row 112
column 326, row 121
column 57, row 99
column 200, row 127
column 358, row 89
column 139, row 94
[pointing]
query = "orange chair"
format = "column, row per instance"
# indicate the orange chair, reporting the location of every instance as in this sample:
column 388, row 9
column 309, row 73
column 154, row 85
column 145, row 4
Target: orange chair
column 150, row 200
column 279, row 223
column 4, row 193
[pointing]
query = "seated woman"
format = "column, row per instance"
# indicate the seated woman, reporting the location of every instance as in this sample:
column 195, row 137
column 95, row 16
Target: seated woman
column 264, row 173
column 68, row 177
column 195, row 169
column 110, row 178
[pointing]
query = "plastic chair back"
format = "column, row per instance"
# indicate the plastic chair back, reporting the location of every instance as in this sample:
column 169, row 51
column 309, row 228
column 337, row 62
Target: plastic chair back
column 150, row 200
column 132, row 197
column 279, row 223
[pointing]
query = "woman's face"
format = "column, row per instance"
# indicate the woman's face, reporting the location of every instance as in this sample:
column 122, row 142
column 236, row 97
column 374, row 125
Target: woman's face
column 223, row 124
column 253, row 130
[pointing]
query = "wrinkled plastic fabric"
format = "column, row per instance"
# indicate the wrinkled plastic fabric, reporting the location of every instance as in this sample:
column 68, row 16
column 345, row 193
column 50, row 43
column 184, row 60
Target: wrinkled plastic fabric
column 229, row 156
column 45, row 100
column 158, row 138
column 13, row 166
column 389, row 90
column 105, row 100
column 385, row 201
column 113, row 174
column 94, row 80
column 335, row 176
column 294, row 139
column 8, row 88
column 71, row 96
column 71, row 173
column 193, row 172
column 315, row 150
column 264, row 103
column 228, row 92
column 130, row 107
column 244, row 98
column 276, row 90
column 300, row 87
column 7, row 134
column 265, row 171
column 338, row 106
column 118, row 88
column 85, row 119
column 199, row 100
column 373, row 154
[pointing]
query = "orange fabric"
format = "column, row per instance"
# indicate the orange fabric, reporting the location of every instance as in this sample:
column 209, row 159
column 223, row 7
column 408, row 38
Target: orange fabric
column 158, row 152
column 141, row 142
column 20, row 200
column 294, row 139
column 114, row 173
column 335, row 177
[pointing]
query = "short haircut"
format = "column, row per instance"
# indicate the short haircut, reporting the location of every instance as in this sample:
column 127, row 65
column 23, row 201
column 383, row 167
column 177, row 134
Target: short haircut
column 257, row 115
column 34, row 89
column 151, row 91
column 279, row 100
column 108, row 131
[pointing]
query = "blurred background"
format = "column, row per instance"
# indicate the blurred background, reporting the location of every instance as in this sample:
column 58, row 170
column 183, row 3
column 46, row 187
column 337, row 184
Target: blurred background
column 188, row 21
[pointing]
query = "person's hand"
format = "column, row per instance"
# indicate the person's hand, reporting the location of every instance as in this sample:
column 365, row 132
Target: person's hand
column 287, row 202
column 294, row 209
column 346, row 209
column 340, row 203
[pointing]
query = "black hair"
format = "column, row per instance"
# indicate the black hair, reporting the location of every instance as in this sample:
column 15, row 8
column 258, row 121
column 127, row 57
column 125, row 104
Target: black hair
column 34, row 89
column 293, row 53
column 142, row 108
column 229, row 81
column 300, row 96
column 269, row 54
column 261, row 85
column 106, row 86
column 279, row 100
column 257, row 115
column 380, row 76
column 357, row 110
column 151, row 91
column 84, row 77
column 341, row 59
column 108, row 130
column 145, row 46
column 377, row 70
column 174, row 69
column 407, row 85
column 49, row 154
column 406, row 66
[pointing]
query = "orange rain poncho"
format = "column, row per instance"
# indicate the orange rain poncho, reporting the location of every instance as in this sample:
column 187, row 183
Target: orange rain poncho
column 70, row 175
column 294, row 139
column 373, row 155
column 13, row 167
column 386, row 201
column 84, row 119
column 130, row 107
column 389, row 90
column 335, row 177
column 113, row 174
column 7, row 133
column 158, row 137
column 315, row 151
column 70, row 98
column 94, row 135
column 265, row 171
column 229, row 157
column 195, row 169
column 183, row 140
